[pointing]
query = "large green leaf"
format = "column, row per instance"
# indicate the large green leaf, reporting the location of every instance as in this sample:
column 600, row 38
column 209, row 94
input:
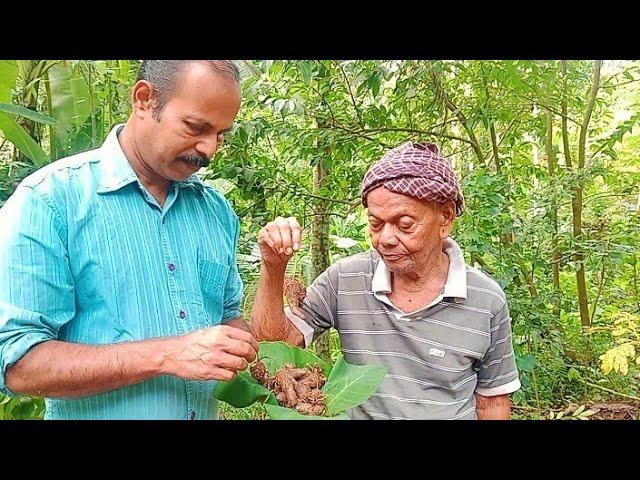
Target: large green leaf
column 69, row 100
column 347, row 385
column 8, row 75
column 275, row 355
column 526, row 362
column 16, row 134
column 21, row 111
column 243, row 391
column 276, row 412
column 350, row 385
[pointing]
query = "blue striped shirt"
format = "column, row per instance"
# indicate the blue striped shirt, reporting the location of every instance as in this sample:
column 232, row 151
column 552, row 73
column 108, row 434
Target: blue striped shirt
column 88, row 256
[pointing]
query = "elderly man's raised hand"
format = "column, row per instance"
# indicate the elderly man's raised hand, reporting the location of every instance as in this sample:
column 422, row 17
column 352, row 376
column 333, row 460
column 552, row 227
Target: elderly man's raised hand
column 278, row 240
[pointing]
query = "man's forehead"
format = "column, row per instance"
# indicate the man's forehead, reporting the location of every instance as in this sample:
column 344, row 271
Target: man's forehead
column 386, row 199
column 396, row 208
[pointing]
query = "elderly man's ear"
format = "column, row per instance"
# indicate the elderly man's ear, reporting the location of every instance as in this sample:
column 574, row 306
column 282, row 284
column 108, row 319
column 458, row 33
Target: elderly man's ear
column 448, row 212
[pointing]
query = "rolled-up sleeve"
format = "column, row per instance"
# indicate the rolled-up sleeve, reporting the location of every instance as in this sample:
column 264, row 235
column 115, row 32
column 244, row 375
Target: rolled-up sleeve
column 36, row 285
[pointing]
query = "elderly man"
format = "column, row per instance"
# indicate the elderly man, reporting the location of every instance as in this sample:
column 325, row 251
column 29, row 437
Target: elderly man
column 442, row 328
column 119, row 292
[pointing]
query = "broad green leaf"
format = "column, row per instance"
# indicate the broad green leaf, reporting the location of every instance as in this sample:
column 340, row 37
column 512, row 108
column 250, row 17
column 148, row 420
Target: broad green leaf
column 350, row 385
column 8, row 75
column 275, row 355
column 374, row 83
column 24, row 112
column 242, row 134
column 276, row 412
column 69, row 100
column 526, row 363
column 243, row 391
column 306, row 69
column 17, row 135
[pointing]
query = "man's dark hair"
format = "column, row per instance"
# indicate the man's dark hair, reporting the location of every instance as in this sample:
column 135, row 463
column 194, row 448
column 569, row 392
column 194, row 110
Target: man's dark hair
column 163, row 75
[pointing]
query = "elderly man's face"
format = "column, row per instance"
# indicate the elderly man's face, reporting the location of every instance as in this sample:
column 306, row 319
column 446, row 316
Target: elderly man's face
column 406, row 231
column 191, row 125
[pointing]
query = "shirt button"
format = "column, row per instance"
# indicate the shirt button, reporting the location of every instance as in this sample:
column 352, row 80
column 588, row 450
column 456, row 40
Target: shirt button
column 182, row 314
column 172, row 267
column 193, row 415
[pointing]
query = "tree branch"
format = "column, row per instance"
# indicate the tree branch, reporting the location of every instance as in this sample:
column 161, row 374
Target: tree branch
column 565, row 128
column 587, row 114
column 353, row 100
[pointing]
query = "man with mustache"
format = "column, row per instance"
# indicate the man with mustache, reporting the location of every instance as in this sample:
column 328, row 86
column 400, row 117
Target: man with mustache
column 441, row 327
column 119, row 289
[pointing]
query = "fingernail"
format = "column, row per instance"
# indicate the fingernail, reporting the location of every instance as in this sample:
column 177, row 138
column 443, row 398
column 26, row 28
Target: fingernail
column 289, row 251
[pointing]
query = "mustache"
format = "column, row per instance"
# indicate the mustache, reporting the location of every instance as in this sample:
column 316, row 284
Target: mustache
column 195, row 160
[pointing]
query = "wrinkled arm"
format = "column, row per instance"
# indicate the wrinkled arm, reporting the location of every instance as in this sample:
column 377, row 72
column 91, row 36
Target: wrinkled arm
column 493, row 408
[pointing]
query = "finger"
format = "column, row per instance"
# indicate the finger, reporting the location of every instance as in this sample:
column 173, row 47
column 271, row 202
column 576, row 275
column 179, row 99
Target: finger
column 285, row 234
column 227, row 361
column 274, row 235
column 296, row 233
column 239, row 349
column 221, row 374
column 242, row 335
column 265, row 238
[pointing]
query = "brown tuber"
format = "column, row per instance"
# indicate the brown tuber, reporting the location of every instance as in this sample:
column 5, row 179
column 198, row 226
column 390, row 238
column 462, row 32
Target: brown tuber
column 297, row 388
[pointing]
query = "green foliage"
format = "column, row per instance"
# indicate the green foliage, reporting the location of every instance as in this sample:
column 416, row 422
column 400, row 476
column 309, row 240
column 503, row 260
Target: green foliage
column 16, row 134
column 625, row 329
column 21, row 408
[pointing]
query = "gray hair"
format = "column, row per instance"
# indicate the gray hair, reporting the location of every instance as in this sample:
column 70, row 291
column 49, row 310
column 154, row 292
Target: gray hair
column 163, row 75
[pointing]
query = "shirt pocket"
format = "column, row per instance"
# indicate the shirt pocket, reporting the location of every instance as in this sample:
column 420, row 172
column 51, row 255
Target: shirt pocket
column 212, row 276
column 447, row 354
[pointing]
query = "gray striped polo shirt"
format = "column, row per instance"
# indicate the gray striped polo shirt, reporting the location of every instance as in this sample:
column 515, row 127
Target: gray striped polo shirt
column 436, row 357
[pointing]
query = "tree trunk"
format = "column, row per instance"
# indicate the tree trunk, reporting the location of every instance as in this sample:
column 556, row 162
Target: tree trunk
column 494, row 146
column 576, row 203
column 528, row 278
column 555, row 254
column 320, row 238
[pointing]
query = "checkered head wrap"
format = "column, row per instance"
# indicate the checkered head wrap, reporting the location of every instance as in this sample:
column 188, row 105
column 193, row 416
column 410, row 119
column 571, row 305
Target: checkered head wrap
column 415, row 170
